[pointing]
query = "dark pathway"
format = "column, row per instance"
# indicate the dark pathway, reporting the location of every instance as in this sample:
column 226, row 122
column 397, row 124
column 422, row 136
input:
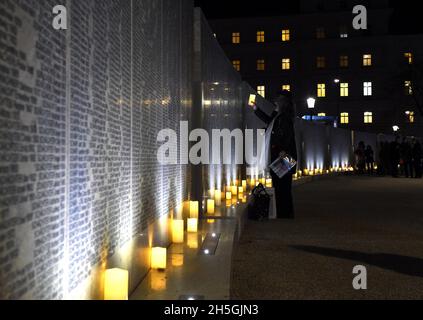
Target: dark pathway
column 340, row 223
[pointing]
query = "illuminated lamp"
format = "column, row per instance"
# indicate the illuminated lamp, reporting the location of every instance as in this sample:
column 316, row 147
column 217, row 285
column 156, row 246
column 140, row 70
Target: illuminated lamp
column 244, row 185
column 192, row 225
column 193, row 209
column 210, row 206
column 178, row 231
column 158, row 258
column 116, row 284
column 228, row 195
column 218, row 197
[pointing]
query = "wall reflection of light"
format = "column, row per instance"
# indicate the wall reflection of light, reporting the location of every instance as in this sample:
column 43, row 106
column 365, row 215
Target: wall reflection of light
column 158, row 281
column 192, row 240
column 177, row 260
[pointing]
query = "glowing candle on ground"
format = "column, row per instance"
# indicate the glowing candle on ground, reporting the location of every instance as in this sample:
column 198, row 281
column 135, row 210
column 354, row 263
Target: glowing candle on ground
column 178, row 231
column 210, row 206
column 193, row 212
column 158, row 258
column 116, row 284
column 218, row 197
column 192, row 225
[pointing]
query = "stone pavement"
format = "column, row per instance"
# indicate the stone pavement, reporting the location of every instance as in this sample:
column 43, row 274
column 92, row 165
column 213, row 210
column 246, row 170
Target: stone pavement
column 340, row 223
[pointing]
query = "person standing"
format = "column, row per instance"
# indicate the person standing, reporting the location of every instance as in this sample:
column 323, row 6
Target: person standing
column 370, row 159
column 416, row 155
column 395, row 156
column 282, row 139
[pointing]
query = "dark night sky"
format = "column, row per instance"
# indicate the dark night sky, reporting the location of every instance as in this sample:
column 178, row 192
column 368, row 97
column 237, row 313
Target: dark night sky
column 407, row 16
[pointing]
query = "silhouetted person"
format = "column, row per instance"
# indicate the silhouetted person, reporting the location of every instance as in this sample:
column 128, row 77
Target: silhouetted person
column 370, row 159
column 416, row 154
column 394, row 155
column 406, row 158
column 282, row 140
column 360, row 157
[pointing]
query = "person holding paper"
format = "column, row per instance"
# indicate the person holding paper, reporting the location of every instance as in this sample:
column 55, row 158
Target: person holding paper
column 280, row 138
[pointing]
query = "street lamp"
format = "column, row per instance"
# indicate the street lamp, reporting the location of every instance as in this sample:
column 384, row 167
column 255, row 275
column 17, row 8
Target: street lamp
column 395, row 128
column 336, row 81
column 311, row 103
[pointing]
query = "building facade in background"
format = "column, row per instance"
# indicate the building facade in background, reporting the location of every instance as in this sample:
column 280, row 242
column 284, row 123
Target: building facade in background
column 363, row 79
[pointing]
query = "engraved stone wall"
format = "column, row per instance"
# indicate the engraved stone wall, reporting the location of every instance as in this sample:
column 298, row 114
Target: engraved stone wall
column 79, row 115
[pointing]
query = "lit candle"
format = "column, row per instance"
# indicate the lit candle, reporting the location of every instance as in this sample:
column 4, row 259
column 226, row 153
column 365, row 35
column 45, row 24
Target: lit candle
column 210, row 206
column 268, row 183
column 228, row 195
column 158, row 258
column 116, row 284
column 244, row 185
column 240, row 189
column 192, row 225
column 193, row 212
column 178, row 231
column 218, row 197
column 234, row 190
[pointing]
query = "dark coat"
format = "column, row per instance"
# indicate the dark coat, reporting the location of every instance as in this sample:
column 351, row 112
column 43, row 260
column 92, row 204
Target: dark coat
column 283, row 134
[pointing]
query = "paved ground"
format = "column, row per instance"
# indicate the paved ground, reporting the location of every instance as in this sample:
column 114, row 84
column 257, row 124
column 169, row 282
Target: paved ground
column 341, row 222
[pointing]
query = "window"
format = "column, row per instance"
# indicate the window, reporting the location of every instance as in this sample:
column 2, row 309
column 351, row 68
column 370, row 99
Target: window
column 286, row 64
column 368, row 117
column 237, row 65
column 321, row 90
column 260, row 36
column 322, row 114
column 367, row 89
column 261, row 65
column 408, row 88
column 367, row 60
column 320, row 33
column 236, row 37
column 343, row 61
column 344, row 89
column 345, row 118
column 286, row 87
column 286, row 35
column 343, row 32
column 409, row 57
column 321, row 62
column 261, row 90
column 410, row 116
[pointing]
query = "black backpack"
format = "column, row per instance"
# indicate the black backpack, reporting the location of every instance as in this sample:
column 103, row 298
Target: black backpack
column 258, row 208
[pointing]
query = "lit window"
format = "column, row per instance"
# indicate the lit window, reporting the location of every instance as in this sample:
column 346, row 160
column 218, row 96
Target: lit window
column 286, row 64
column 343, row 32
column 321, row 62
column 408, row 88
column 261, row 65
column 321, row 90
column 409, row 57
column 286, row 35
column 261, row 90
column 367, row 89
column 345, row 118
column 260, row 36
column 320, row 33
column 368, row 117
column 410, row 116
column 343, row 61
column 367, row 60
column 344, row 89
column 236, row 37
column 237, row 65
column 322, row 114
column 286, row 87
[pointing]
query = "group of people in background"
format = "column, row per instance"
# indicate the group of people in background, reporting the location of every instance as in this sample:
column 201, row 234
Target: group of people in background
column 396, row 158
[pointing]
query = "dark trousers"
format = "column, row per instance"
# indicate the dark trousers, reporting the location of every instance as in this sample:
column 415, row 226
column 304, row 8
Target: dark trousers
column 283, row 195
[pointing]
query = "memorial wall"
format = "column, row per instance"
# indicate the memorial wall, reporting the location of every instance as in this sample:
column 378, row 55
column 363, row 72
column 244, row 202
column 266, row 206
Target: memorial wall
column 80, row 110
